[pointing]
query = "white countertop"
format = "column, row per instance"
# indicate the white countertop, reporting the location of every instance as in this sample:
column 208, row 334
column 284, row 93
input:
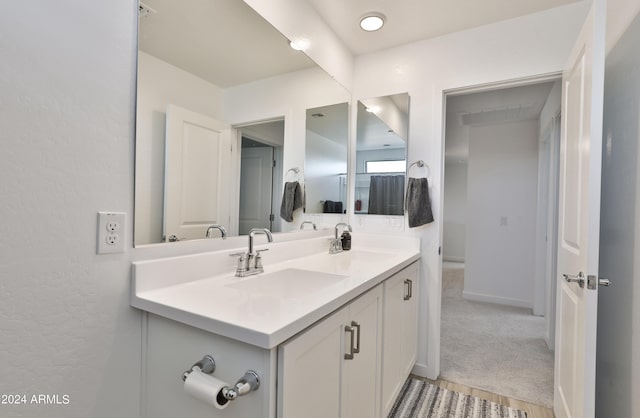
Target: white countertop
column 271, row 307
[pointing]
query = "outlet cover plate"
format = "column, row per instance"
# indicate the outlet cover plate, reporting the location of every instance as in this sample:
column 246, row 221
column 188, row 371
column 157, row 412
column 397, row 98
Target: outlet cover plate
column 111, row 231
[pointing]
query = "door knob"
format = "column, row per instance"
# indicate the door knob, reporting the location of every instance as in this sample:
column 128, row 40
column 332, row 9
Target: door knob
column 577, row 279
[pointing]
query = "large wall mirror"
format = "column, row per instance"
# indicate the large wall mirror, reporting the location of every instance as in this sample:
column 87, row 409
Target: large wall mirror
column 206, row 154
column 381, row 154
column 325, row 164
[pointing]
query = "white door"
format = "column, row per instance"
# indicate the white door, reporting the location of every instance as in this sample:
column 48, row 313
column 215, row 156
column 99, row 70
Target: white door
column 197, row 163
column 256, row 185
column 579, row 222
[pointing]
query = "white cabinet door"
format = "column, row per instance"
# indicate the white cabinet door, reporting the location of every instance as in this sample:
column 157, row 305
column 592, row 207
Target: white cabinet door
column 331, row 370
column 361, row 374
column 409, row 319
column 310, row 370
column 400, row 333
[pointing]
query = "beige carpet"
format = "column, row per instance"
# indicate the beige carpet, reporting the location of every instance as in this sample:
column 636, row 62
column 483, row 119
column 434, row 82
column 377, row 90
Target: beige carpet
column 496, row 348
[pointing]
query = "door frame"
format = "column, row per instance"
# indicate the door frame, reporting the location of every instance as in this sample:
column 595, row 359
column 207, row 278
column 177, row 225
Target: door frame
column 518, row 82
column 236, row 159
column 551, row 264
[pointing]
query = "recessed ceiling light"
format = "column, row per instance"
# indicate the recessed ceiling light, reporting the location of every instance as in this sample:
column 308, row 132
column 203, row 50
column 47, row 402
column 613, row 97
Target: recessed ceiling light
column 372, row 22
column 300, row 44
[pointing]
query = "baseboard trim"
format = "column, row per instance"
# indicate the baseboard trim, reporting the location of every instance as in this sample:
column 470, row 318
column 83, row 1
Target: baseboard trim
column 453, row 259
column 479, row 297
column 422, row 370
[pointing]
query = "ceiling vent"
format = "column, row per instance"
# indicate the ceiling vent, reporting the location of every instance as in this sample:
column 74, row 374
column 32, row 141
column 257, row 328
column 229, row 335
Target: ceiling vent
column 500, row 115
column 145, row 11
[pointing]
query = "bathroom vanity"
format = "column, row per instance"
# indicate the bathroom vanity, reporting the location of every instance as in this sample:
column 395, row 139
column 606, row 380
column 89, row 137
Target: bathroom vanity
column 330, row 335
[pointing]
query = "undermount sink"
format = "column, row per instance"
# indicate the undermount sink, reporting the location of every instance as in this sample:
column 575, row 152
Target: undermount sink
column 287, row 283
column 346, row 262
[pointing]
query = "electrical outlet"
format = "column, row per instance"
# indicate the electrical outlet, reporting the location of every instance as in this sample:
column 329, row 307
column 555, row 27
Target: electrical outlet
column 111, row 228
column 113, row 225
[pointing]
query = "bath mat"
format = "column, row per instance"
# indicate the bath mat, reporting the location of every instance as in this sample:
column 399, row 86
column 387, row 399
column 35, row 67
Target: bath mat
column 419, row 399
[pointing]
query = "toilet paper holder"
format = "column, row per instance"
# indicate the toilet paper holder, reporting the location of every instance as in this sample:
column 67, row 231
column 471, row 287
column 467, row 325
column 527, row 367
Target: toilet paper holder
column 249, row 382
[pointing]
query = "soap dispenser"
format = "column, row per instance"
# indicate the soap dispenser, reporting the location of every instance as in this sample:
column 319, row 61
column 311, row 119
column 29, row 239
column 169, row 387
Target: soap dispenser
column 346, row 240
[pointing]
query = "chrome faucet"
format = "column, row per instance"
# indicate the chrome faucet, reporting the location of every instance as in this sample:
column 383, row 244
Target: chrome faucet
column 335, row 246
column 209, row 233
column 250, row 263
column 308, row 222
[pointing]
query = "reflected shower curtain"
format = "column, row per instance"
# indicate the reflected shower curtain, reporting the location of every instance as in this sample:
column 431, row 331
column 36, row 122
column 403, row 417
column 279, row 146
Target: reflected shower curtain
column 386, row 195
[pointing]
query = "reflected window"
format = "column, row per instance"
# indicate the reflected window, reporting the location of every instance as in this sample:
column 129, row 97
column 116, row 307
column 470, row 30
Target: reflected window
column 388, row 166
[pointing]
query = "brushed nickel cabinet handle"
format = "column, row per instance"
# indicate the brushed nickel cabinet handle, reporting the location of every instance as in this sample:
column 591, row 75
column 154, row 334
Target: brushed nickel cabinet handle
column 356, row 348
column 350, row 330
column 408, row 285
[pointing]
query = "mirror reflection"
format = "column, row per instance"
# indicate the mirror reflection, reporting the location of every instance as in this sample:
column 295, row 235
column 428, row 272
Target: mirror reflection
column 325, row 164
column 197, row 176
column 261, row 155
column 381, row 149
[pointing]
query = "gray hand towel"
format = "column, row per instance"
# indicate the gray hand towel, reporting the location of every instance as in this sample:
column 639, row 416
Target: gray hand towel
column 418, row 203
column 330, row 206
column 291, row 200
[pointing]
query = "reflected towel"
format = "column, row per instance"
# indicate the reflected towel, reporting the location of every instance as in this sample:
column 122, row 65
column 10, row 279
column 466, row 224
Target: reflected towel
column 418, row 203
column 330, row 206
column 291, row 200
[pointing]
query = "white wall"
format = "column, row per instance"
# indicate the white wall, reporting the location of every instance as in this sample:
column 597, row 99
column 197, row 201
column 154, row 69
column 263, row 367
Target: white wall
column 501, row 213
column 507, row 50
column 455, row 211
column 618, row 344
column 324, row 158
column 161, row 84
column 67, row 76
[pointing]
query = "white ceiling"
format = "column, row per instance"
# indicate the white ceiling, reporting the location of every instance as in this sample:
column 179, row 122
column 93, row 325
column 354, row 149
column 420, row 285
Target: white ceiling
column 222, row 41
column 413, row 20
column 331, row 122
column 227, row 43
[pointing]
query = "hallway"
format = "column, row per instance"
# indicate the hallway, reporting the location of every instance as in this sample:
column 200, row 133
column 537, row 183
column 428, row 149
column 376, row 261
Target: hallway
column 496, row 348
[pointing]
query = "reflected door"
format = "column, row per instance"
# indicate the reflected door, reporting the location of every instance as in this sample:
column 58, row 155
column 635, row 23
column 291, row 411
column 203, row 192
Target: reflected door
column 256, row 184
column 196, row 193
